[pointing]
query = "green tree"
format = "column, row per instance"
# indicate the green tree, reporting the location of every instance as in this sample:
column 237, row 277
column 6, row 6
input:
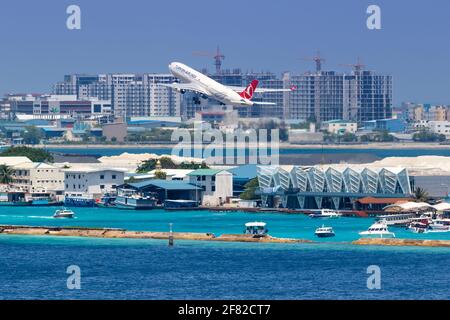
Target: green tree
column 6, row 174
column 33, row 135
column 421, row 195
column 250, row 190
column 161, row 175
column 34, row 154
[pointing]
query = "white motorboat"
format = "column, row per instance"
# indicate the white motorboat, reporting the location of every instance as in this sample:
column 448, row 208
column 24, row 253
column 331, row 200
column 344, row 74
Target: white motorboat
column 324, row 232
column 326, row 213
column 257, row 229
column 64, row 213
column 439, row 225
column 378, row 229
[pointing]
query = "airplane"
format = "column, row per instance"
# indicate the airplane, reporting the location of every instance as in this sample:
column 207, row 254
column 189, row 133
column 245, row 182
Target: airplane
column 192, row 80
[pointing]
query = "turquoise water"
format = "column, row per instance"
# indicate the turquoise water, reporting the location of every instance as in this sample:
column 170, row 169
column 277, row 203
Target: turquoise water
column 34, row 267
column 382, row 153
column 279, row 225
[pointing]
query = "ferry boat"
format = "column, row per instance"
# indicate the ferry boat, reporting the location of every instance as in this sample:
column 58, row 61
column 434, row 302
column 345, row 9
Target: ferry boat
column 324, row 232
column 326, row 213
column 379, row 228
column 63, row 213
column 397, row 219
column 257, row 229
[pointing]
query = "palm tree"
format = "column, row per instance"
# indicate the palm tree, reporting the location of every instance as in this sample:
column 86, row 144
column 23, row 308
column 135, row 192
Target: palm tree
column 421, row 195
column 6, row 174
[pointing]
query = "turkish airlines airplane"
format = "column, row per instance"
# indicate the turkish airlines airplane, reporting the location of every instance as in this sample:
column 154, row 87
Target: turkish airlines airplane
column 192, row 80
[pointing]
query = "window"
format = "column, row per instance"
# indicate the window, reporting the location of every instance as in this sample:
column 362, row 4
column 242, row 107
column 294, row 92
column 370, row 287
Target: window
column 102, row 186
column 102, row 177
column 114, row 176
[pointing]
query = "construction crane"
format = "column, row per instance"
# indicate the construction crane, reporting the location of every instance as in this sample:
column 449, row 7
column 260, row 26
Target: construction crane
column 218, row 58
column 358, row 66
column 317, row 59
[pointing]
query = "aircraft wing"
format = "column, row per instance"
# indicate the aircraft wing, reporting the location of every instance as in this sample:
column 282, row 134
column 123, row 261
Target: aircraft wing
column 263, row 103
column 185, row 86
column 259, row 90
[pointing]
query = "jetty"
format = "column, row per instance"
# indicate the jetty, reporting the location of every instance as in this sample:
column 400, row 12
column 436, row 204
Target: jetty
column 113, row 233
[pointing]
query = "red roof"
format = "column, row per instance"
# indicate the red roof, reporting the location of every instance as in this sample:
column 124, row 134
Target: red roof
column 372, row 200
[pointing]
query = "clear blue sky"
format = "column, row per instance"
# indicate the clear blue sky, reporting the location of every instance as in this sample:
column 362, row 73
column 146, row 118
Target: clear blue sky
column 144, row 36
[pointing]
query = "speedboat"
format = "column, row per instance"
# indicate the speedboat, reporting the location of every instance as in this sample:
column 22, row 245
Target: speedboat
column 326, row 213
column 380, row 229
column 324, row 232
column 439, row 225
column 64, row 213
column 419, row 225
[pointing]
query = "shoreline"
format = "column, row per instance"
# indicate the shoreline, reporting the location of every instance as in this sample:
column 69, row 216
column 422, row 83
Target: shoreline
column 169, row 146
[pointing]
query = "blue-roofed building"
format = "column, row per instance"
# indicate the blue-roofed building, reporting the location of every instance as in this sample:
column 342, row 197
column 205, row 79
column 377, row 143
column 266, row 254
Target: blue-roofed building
column 391, row 125
column 165, row 190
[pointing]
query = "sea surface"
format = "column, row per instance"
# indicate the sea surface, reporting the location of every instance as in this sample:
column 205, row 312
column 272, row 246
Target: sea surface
column 34, row 267
column 379, row 153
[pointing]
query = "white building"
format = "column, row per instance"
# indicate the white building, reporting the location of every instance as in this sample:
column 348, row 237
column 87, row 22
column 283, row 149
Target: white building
column 340, row 126
column 437, row 127
column 38, row 177
column 217, row 185
column 91, row 182
column 12, row 161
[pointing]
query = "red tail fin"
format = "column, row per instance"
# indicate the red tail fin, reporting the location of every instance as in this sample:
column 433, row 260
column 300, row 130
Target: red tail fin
column 248, row 92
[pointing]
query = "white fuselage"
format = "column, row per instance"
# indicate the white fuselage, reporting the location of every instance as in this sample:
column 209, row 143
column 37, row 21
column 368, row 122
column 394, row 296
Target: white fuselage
column 213, row 88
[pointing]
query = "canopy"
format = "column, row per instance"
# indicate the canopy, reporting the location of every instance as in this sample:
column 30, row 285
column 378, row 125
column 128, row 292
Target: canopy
column 408, row 206
column 255, row 224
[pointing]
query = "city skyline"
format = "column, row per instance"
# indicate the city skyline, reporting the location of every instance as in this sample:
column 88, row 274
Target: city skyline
column 145, row 37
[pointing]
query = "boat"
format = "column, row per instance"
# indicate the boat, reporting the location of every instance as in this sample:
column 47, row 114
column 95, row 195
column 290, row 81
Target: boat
column 63, row 213
column 326, row 213
column 379, row 228
column 180, row 204
column 324, row 232
column 257, row 229
column 439, row 225
column 397, row 219
column 107, row 201
column 129, row 199
column 70, row 201
column 419, row 225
